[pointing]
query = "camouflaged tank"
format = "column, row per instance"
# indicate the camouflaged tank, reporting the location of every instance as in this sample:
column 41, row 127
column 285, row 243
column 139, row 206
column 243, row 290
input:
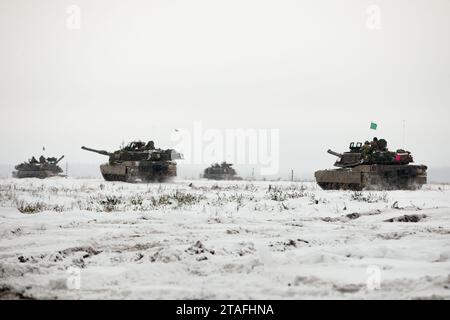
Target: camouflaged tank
column 371, row 166
column 44, row 168
column 139, row 162
column 223, row 171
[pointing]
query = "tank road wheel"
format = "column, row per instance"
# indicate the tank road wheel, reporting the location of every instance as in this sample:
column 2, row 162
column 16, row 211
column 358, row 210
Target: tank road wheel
column 355, row 187
column 147, row 179
column 114, row 177
column 339, row 186
column 324, row 185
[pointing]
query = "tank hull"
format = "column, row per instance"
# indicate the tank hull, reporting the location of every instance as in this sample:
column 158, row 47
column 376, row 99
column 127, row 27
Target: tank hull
column 139, row 171
column 221, row 176
column 373, row 177
column 40, row 174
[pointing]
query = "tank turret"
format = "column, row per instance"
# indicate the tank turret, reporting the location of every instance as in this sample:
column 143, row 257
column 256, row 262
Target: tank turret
column 372, row 166
column 138, row 161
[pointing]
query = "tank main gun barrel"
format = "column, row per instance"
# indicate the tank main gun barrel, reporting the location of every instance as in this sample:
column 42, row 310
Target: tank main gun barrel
column 102, row 152
column 334, row 153
column 59, row 160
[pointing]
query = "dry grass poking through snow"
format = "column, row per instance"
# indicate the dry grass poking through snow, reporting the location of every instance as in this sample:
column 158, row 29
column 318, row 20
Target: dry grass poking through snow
column 202, row 239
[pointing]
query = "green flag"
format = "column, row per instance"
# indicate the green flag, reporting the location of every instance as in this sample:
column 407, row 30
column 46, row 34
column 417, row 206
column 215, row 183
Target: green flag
column 373, row 126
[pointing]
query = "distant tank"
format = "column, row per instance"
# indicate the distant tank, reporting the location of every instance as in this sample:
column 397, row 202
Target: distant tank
column 44, row 168
column 371, row 166
column 139, row 162
column 223, row 171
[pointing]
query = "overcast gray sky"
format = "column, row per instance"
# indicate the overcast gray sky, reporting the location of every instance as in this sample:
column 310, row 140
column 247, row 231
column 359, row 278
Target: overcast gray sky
column 139, row 69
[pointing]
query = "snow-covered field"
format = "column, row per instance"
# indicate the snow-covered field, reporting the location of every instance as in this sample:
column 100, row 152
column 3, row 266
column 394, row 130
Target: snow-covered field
column 87, row 239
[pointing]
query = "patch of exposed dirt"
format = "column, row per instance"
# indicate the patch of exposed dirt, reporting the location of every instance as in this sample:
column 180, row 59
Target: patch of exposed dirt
column 407, row 218
column 288, row 244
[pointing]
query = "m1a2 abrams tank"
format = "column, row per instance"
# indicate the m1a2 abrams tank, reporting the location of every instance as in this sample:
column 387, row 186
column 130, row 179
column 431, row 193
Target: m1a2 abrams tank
column 44, row 168
column 370, row 166
column 139, row 162
column 224, row 171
